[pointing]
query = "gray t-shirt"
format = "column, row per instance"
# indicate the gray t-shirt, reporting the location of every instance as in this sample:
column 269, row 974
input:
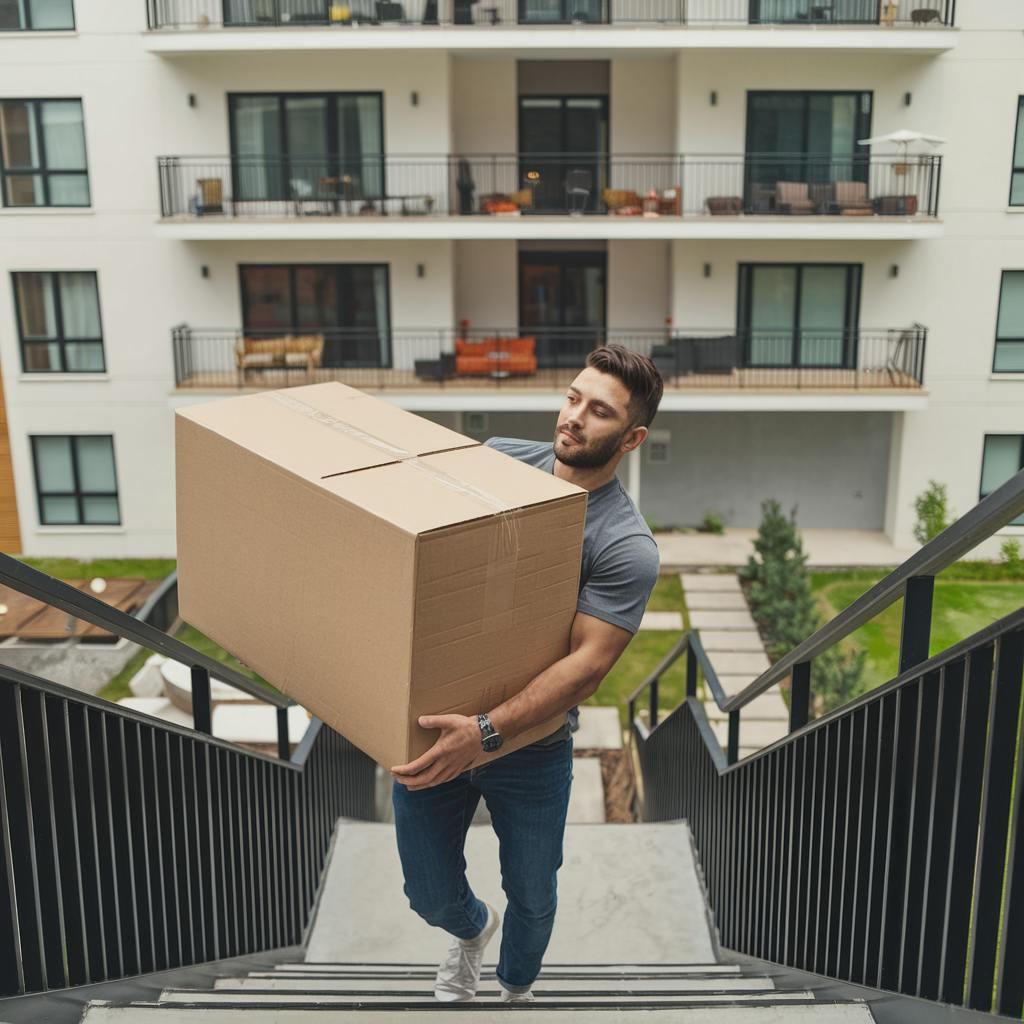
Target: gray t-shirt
column 620, row 558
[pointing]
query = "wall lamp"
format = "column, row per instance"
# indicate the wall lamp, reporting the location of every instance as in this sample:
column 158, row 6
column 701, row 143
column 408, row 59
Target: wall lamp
column 894, row 270
column 191, row 99
column 907, row 98
column 414, row 98
column 707, row 269
column 714, row 98
column 204, row 271
column 421, row 270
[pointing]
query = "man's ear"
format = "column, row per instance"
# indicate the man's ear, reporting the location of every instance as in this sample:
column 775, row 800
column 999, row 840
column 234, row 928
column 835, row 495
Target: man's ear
column 634, row 438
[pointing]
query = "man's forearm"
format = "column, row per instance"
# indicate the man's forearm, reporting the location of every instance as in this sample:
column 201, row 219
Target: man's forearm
column 567, row 682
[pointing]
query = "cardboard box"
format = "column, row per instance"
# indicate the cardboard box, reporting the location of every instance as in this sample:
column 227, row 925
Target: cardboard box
column 371, row 564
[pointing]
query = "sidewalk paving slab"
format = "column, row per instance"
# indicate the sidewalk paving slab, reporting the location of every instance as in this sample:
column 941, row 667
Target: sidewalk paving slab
column 731, row 640
column 729, row 663
column 716, row 600
column 600, row 729
column 711, row 581
column 721, row 620
column 662, row 620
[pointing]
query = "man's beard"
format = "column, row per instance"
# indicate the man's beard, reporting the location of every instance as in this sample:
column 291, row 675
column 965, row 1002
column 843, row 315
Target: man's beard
column 585, row 457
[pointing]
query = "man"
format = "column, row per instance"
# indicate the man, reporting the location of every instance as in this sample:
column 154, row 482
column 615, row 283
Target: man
column 606, row 415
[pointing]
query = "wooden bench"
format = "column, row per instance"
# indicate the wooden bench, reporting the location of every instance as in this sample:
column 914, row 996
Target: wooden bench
column 298, row 351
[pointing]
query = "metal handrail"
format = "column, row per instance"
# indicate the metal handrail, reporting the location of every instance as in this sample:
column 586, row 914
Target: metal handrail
column 33, row 583
column 990, row 514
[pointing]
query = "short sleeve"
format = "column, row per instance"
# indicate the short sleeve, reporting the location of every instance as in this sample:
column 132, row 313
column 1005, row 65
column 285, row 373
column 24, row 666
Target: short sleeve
column 621, row 581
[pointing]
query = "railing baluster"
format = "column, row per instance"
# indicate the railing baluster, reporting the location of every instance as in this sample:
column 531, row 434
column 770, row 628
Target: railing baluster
column 733, row 751
column 917, row 621
column 799, row 695
column 201, row 713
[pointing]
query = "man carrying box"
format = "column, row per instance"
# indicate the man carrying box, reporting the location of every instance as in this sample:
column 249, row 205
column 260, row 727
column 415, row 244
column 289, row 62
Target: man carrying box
column 606, row 414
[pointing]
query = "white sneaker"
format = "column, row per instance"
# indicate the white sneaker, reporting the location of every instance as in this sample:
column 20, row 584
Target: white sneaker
column 458, row 977
column 517, row 997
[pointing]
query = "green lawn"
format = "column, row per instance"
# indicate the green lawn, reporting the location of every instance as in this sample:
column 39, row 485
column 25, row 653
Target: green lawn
column 110, row 568
column 962, row 606
column 644, row 652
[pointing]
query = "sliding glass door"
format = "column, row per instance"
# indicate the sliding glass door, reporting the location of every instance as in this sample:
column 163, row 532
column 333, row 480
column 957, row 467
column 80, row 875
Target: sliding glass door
column 793, row 315
column 347, row 303
column 805, row 137
column 304, row 145
column 562, row 304
column 562, row 12
column 563, row 144
column 801, row 12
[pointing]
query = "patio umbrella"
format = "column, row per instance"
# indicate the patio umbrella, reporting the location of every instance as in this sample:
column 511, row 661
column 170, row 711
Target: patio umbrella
column 902, row 137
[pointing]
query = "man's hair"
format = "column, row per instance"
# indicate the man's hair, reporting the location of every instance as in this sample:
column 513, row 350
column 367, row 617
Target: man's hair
column 639, row 375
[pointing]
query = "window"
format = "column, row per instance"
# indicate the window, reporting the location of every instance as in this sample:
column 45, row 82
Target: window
column 1002, row 458
column 285, row 146
column 76, row 484
column 799, row 314
column 1017, row 177
column 348, row 303
column 35, row 15
column 1009, row 353
column 42, row 153
column 59, row 322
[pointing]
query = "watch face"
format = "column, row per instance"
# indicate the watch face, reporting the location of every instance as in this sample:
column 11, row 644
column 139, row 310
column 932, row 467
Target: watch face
column 491, row 743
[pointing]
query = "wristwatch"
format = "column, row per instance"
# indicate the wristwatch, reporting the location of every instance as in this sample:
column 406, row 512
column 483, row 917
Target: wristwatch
column 489, row 739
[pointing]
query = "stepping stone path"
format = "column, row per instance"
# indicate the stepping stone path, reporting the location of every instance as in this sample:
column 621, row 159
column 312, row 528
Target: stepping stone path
column 718, row 611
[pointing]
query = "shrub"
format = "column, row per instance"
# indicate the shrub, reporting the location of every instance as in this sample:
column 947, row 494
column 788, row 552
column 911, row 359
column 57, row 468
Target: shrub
column 1010, row 555
column 783, row 605
column 711, row 523
column 933, row 512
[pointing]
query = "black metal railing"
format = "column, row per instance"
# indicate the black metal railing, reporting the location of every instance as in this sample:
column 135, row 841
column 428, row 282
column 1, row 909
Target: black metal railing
column 433, row 357
column 131, row 845
column 502, row 185
column 176, row 14
column 882, row 844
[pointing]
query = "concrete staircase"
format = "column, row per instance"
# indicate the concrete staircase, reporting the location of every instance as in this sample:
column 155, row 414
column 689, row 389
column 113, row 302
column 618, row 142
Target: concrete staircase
column 718, row 609
column 631, row 943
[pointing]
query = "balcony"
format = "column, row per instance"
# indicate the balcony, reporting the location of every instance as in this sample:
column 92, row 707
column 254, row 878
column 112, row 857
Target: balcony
column 540, row 196
column 279, row 26
column 507, row 362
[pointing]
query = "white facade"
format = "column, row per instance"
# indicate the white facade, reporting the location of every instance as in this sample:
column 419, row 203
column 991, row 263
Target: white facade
column 847, row 459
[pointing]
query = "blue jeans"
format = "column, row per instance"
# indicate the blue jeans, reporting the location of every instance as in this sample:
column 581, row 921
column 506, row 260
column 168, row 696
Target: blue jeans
column 527, row 794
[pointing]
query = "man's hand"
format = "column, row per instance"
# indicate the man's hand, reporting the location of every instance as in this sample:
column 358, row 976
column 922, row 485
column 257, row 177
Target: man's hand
column 455, row 750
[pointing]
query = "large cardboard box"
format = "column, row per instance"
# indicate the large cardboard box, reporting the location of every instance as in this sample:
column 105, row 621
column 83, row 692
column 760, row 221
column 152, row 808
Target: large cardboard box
column 371, row 564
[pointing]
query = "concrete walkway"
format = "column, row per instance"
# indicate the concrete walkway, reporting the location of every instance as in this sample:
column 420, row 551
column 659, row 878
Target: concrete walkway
column 626, row 894
column 825, row 548
column 718, row 611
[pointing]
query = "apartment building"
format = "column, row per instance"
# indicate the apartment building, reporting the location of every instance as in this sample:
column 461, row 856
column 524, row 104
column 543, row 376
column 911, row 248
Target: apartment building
column 450, row 202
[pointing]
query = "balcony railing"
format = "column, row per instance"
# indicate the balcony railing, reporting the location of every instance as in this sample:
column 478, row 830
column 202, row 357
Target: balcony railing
column 175, row 14
column 509, row 185
column 433, row 358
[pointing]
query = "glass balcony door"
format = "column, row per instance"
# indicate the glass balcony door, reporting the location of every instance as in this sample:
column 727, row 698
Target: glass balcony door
column 347, row 303
column 804, row 137
column 800, row 315
column 307, row 146
column 561, row 12
column 562, row 304
column 802, row 12
column 563, row 151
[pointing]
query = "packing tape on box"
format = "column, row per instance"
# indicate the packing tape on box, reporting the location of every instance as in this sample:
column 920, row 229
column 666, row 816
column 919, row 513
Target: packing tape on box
column 499, row 593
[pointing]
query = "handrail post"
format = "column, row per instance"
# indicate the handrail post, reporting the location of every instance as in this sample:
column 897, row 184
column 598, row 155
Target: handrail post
column 654, row 702
column 284, row 747
column 800, row 695
column 915, row 633
column 202, row 719
column 733, row 750
column 691, row 671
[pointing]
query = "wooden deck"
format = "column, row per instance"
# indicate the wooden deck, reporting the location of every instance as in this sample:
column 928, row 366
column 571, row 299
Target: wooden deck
column 28, row 619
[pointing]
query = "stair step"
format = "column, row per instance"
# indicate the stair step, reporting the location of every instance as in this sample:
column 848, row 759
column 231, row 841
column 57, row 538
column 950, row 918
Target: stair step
column 562, row 970
column 744, row 1013
column 545, row 983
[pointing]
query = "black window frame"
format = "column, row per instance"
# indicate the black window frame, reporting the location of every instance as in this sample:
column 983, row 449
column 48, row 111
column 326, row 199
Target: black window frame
column 333, row 154
column 29, row 27
column 860, row 159
column 851, row 341
column 1014, row 169
column 43, row 171
column 60, row 340
column 1019, row 521
column 387, row 355
column 999, row 310
column 78, row 494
